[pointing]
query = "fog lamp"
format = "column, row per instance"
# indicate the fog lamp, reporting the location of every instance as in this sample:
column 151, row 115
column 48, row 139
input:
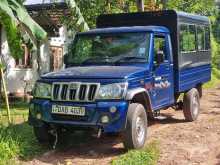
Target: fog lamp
column 113, row 109
column 38, row 116
column 105, row 119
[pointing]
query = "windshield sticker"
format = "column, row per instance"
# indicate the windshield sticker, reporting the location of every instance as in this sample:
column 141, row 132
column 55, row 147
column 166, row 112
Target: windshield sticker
column 142, row 51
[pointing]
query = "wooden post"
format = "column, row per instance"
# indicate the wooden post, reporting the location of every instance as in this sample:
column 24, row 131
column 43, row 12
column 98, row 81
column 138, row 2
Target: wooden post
column 6, row 95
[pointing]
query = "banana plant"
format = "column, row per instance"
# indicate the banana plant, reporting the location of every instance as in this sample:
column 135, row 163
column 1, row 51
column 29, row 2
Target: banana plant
column 17, row 22
column 76, row 20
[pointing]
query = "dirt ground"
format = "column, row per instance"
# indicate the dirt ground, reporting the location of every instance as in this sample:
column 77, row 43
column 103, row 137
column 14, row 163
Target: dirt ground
column 181, row 143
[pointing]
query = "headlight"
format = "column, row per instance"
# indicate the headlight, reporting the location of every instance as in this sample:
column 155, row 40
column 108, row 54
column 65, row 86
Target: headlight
column 112, row 91
column 42, row 90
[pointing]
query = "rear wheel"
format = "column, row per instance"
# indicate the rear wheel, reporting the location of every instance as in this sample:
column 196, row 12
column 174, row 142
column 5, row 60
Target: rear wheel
column 134, row 136
column 191, row 105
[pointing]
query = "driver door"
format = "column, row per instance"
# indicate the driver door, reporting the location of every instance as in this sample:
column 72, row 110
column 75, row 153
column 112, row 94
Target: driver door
column 163, row 92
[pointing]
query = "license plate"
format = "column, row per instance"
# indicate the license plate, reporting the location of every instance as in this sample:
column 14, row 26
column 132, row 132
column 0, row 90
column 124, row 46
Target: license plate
column 68, row 110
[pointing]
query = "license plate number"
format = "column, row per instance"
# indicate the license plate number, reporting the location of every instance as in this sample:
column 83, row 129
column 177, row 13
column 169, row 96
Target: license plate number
column 68, row 110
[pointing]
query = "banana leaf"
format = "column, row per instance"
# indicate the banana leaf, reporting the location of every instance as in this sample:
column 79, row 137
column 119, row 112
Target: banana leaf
column 4, row 7
column 77, row 18
column 26, row 22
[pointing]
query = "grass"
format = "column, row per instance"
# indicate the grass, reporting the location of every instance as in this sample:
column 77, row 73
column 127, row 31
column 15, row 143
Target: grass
column 215, row 79
column 18, row 141
column 146, row 156
column 17, row 108
column 18, row 111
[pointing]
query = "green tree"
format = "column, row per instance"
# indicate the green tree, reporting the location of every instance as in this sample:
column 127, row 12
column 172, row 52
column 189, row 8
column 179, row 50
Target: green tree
column 202, row 7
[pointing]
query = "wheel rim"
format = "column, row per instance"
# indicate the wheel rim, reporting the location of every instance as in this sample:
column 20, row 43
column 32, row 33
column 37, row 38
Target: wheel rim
column 195, row 106
column 140, row 129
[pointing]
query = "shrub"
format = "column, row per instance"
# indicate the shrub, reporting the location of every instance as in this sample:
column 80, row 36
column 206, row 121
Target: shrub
column 17, row 141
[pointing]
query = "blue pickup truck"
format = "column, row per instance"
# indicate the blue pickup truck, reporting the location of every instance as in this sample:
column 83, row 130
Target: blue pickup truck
column 124, row 72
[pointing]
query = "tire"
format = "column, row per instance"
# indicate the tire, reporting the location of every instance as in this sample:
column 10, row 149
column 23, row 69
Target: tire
column 135, row 134
column 42, row 134
column 191, row 105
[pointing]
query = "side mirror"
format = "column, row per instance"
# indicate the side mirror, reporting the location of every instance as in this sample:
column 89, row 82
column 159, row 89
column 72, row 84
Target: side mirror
column 160, row 57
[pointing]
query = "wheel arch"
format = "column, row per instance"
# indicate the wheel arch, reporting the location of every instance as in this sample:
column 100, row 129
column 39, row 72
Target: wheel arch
column 142, row 96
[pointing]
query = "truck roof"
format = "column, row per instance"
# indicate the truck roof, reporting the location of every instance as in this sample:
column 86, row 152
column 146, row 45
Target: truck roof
column 167, row 18
column 130, row 29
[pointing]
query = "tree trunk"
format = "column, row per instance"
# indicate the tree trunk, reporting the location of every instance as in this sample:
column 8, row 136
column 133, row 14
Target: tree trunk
column 0, row 87
column 140, row 5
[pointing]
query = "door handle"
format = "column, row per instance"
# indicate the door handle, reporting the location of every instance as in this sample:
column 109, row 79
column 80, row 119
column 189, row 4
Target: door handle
column 157, row 78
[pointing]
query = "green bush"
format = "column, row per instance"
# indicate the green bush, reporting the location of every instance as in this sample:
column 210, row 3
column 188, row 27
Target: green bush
column 215, row 78
column 216, row 73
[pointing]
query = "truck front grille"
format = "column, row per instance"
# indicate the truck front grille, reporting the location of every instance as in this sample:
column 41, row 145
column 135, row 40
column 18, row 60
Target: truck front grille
column 75, row 91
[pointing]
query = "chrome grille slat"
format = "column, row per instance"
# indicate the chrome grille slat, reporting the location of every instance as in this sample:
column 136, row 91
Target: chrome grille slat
column 64, row 91
column 74, row 91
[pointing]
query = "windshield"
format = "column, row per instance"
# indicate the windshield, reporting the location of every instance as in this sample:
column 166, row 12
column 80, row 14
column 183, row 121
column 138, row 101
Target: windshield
column 109, row 49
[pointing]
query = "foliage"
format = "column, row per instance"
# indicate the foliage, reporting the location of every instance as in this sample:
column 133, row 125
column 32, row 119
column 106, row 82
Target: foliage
column 17, row 22
column 93, row 8
column 147, row 156
column 215, row 52
column 202, row 7
column 215, row 80
column 17, row 141
column 76, row 20
column 13, row 36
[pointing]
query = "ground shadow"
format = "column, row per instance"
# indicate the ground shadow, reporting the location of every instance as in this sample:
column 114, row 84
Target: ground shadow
column 218, row 157
column 81, row 146
column 74, row 146
column 166, row 118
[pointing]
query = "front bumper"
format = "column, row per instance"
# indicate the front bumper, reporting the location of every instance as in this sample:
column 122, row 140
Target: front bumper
column 94, row 112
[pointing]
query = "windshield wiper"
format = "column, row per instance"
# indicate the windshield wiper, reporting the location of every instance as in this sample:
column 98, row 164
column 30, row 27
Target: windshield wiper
column 97, row 59
column 129, row 58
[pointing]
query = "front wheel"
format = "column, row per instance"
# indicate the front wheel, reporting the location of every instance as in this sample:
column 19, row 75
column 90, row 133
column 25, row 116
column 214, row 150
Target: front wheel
column 135, row 134
column 191, row 105
column 42, row 134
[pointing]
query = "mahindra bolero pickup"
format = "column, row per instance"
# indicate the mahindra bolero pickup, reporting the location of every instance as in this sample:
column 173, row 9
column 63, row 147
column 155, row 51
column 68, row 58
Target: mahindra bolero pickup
column 123, row 73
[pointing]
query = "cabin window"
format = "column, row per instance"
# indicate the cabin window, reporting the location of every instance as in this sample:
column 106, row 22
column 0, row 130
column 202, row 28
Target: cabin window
column 187, row 38
column 25, row 61
column 201, row 37
column 192, row 38
column 184, row 38
column 159, row 46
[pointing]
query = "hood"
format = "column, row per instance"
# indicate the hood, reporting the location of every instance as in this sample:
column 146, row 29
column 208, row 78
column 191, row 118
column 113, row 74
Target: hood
column 97, row 72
